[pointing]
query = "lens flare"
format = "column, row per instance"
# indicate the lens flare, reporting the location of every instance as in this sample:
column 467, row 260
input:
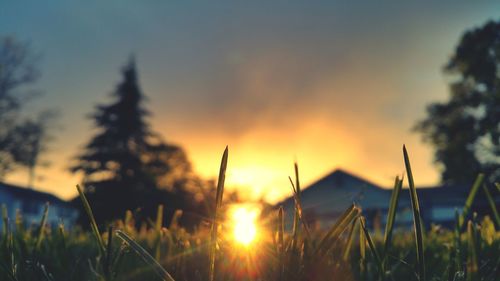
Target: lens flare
column 244, row 227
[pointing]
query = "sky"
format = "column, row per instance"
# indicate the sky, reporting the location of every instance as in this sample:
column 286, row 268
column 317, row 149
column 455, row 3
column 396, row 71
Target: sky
column 330, row 84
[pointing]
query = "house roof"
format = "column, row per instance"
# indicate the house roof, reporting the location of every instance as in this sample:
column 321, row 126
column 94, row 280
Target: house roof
column 335, row 179
column 28, row 193
column 340, row 175
column 431, row 194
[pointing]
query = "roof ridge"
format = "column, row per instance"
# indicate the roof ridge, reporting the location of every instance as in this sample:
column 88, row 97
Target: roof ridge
column 338, row 171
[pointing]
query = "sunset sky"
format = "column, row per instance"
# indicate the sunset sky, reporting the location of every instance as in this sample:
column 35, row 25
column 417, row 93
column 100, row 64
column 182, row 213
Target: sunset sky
column 328, row 83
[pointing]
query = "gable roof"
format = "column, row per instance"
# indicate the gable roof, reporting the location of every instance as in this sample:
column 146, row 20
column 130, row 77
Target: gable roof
column 339, row 180
column 31, row 194
column 353, row 185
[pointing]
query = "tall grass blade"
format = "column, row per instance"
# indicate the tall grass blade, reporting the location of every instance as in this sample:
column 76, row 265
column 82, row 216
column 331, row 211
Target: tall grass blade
column 493, row 207
column 470, row 199
column 90, row 215
column 417, row 220
column 371, row 245
column 215, row 225
column 391, row 214
column 159, row 270
column 298, row 211
column 41, row 232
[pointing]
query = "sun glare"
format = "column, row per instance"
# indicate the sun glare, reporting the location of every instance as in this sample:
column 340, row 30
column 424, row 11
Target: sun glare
column 243, row 221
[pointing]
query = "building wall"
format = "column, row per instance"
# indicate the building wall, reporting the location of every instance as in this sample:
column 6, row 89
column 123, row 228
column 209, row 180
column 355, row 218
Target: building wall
column 32, row 210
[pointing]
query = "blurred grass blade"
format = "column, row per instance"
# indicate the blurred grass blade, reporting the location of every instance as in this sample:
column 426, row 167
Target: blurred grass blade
column 336, row 230
column 470, row 199
column 298, row 213
column 281, row 244
column 417, row 221
column 43, row 222
column 457, row 241
column 473, row 247
column 491, row 201
column 19, row 221
column 174, row 223
column 297, row 182
column 159, row 218
column 391, row 214
column 298, row 209
column 350, row 238
column 62, row 233
column 109, row 255
column 159, row 270
column 158, row 226
column 93, row 223
column 452, row 265
column 218, row 203
column 374, row 251
column 362, row 252
column 129, row 221
column 498, row 186
column 5, row 220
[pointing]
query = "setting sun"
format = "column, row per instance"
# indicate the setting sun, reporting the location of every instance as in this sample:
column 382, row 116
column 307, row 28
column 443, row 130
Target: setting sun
column 243, row 223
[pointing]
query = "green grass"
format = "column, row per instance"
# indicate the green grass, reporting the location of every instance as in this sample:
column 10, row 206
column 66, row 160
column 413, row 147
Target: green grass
column 345, row 251
column 417, row 219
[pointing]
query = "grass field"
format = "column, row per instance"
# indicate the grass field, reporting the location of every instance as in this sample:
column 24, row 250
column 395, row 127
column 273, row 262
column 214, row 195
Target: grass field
column 346, row 251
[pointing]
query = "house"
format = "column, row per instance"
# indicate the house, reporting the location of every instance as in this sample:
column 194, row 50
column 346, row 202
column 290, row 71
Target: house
column 31, row 203
column 439, row 204
column 324, row 200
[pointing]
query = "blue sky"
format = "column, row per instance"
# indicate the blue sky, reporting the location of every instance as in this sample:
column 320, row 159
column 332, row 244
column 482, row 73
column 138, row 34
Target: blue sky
column 330, row 83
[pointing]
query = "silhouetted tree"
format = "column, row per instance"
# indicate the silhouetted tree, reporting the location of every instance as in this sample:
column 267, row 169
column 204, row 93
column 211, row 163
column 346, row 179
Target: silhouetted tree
column 31, row 139
column 21, row 140
column 465, row 130
column 126, row 166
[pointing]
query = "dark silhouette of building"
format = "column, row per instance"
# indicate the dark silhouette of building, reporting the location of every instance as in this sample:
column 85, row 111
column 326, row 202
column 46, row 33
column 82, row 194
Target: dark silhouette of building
column 31, row 203
column 327, row 198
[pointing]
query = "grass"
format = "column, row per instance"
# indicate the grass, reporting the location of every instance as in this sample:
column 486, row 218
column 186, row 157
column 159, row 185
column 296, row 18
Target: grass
column 348, row 250
column 216, row 217
column 417, row 219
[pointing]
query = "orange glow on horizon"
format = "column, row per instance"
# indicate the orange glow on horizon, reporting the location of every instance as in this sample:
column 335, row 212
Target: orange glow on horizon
column 261, row 160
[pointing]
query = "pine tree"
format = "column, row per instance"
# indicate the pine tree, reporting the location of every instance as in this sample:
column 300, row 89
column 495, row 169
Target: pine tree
column 125, row 161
